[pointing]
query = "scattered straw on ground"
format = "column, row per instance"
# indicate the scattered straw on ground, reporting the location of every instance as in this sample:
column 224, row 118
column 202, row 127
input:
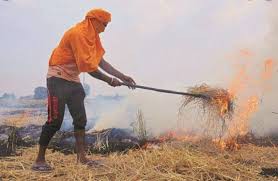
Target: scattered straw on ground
column 182, row 161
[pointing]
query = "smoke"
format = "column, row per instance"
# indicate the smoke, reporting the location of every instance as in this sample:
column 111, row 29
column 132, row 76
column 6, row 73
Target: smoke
column 120, row 116
column 165, row 44
column 159, row 111
column 220, row 56
column 265, row 121
column 255, row 55
column 249, row 48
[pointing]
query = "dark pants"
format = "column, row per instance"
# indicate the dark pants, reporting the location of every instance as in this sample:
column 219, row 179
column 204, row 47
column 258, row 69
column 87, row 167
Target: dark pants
column 60, row 93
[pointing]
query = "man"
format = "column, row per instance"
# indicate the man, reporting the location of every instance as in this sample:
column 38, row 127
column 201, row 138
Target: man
column 79, row 50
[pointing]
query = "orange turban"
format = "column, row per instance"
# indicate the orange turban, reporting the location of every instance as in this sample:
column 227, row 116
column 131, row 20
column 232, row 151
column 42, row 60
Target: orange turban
column 99, row 14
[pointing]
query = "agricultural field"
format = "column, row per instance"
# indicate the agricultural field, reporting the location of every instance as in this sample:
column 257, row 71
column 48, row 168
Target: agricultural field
column 149, row 90
column 168, row 157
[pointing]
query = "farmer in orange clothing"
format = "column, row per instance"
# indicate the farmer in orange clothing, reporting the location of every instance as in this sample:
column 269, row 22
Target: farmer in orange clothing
column 79, row 50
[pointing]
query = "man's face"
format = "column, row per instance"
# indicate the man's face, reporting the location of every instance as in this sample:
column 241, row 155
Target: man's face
column 100, row 26
column 104, row 24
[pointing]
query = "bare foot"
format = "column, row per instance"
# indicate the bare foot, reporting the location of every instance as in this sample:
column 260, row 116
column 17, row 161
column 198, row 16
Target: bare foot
column 91, row 163
column 41, row 167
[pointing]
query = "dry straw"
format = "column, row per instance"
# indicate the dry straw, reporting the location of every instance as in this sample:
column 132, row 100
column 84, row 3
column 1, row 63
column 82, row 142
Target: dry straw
column 215, row 109
column 181, row 161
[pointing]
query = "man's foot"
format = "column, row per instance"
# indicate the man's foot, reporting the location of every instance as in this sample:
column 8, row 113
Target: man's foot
column 41, row 167
column 91, row 163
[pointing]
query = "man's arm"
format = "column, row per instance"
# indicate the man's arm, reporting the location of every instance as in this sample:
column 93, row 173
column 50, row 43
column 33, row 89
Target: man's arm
column 101, row 76
column 107, row 67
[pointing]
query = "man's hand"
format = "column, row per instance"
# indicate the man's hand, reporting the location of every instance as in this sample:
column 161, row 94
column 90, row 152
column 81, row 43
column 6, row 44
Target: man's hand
column 101, row 76
column 114, row 72
column 128, row 80
column 114, row 82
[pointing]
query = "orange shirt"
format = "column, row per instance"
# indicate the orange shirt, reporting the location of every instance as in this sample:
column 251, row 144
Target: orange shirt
column 79, row 50
column 80, row 45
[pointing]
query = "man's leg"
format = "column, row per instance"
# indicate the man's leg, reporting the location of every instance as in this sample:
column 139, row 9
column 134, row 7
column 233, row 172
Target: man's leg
column 80, row 145
column 56, row 109
column 77, row 110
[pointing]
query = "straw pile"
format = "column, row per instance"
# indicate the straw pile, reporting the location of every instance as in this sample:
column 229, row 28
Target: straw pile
column 182, row 161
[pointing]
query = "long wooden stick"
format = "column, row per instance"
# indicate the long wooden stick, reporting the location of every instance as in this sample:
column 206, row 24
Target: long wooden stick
column 166, row 91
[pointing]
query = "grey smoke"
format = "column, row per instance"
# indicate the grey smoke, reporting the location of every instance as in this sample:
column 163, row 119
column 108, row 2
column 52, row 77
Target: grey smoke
column 265, row 121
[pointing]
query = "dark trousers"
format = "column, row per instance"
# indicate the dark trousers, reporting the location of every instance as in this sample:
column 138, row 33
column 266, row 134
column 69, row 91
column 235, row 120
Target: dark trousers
column 60, row 93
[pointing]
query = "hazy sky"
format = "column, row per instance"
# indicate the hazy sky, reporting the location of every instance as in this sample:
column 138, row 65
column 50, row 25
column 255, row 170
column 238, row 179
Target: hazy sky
column 163, row 43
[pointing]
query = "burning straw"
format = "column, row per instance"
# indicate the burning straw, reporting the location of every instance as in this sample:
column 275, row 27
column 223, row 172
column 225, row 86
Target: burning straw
column 215, row 103
column 218, row 100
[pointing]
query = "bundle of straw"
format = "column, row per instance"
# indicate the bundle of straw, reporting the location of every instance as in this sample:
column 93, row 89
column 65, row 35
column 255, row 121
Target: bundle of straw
column 219, row 102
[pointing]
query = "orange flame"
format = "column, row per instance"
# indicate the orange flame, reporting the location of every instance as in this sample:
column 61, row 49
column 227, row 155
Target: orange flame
column 228, row 144
column 241, row 87
column 177, row 136
column 267, row 74
column 268, row 69
column 248, row 105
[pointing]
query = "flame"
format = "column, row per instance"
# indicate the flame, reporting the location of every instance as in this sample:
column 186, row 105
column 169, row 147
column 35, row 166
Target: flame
column 242, row 88
column 222, row 102
column 237, row 84
column 239, row 125
column 247, row 105
column 267, row 74
column 240, row 122
column 268, row 69
column 178, row 135
column 228, row 144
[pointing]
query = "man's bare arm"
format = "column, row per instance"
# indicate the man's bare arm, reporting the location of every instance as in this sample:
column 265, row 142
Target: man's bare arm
column 107, row 67
column 101, row 76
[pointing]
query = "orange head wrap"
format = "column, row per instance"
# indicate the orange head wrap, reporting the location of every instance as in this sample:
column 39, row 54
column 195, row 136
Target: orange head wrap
column 99, row 14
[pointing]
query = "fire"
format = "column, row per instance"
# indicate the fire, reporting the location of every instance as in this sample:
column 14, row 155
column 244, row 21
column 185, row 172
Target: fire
column 247, row 104
column 267, row 74
column 240, row 122
column 228, row 144
column 170, row 136
column 239, row 125
column 218, row 102
column 177, row 136
column 268, row 69
column 223, row 102
column 244, row 89
column 237, row 84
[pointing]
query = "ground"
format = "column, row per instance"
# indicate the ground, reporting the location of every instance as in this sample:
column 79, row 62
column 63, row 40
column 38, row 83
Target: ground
column 169, row 161
column 176, row 160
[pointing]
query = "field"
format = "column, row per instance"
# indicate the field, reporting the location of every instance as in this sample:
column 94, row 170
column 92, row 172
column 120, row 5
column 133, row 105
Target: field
column 171, row 161
column 167, row 160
